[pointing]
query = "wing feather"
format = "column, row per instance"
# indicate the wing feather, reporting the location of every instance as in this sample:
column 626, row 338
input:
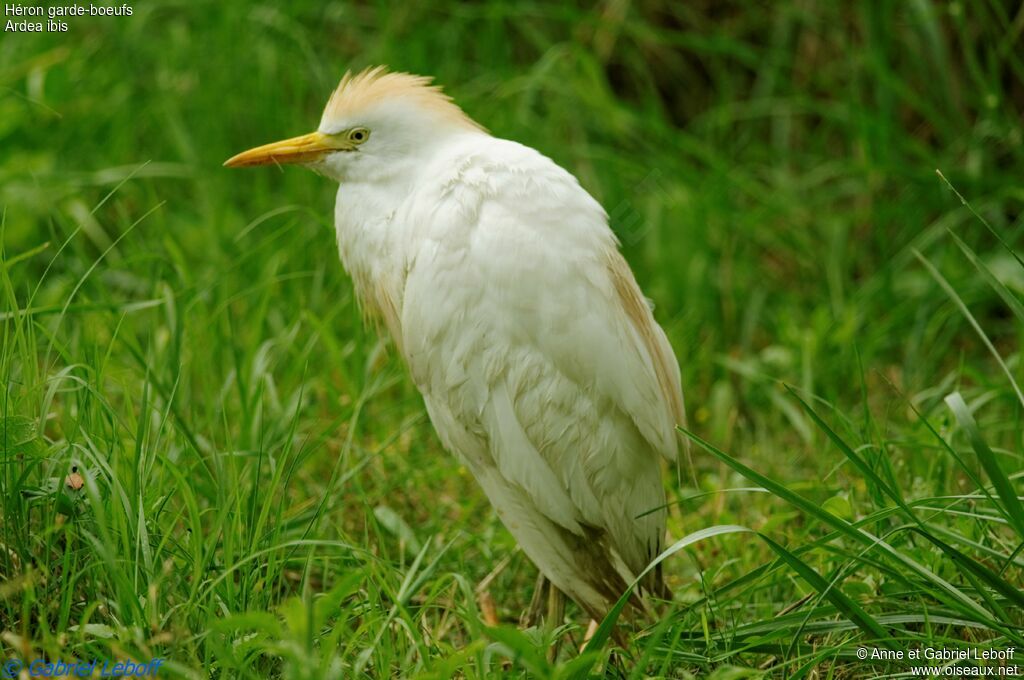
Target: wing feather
column 521, row 322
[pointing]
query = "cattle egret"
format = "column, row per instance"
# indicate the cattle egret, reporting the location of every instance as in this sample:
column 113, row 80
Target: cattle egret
column 502, row 286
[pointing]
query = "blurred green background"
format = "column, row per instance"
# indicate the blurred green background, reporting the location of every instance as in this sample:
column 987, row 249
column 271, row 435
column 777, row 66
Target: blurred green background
column 186, row 335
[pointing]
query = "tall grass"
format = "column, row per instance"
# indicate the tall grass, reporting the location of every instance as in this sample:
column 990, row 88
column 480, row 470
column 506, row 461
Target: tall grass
column 262, row 494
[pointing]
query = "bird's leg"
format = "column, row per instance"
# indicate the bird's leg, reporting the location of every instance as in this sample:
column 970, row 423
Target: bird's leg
column 556, row 606
column 547, row 604
column 556, row 614
column 532, row 616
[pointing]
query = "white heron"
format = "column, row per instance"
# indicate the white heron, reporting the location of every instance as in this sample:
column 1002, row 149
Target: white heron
column 503, row 288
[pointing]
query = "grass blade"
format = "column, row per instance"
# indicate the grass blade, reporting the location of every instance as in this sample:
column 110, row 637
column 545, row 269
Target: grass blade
column 1011, row 505
column 944, row 284
column 944, row 590
column 837, row 597
column 859, row 462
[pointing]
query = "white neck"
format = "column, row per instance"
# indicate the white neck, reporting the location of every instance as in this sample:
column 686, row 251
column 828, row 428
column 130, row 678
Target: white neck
column 376, row 241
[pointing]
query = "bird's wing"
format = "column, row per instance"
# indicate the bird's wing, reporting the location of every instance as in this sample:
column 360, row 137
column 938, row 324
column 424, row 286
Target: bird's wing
column 521, row 317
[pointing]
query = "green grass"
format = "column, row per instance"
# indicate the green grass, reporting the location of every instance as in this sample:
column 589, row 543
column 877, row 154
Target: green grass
column 263, row 495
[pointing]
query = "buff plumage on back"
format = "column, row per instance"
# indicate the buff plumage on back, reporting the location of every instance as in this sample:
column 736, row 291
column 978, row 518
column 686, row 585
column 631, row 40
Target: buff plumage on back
column 357, row 92
column 663, row 362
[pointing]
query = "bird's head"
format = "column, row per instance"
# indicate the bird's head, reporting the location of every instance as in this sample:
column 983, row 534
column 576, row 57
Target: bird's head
column 376, row 125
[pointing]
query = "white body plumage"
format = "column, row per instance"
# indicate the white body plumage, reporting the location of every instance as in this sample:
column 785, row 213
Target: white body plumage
column 495, row 276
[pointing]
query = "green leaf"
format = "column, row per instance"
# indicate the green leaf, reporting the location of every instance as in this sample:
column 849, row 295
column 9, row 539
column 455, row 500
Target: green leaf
column 859, row 462
column 18, row 435
column 328, row 604
column 1007, row 590
column 99, row 630
column 839, row 506
column 263, row 622
column 9, row 262
column 393, row 522
column 1011, row 505
column 831, row 591
column 941, row 280
column 998, row 286
column 517, row 646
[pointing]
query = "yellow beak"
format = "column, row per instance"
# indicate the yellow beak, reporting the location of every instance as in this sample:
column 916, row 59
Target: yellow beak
column 304, row 149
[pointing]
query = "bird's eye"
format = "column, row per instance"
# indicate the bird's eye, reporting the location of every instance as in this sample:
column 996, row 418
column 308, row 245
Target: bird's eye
column 358, row 135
